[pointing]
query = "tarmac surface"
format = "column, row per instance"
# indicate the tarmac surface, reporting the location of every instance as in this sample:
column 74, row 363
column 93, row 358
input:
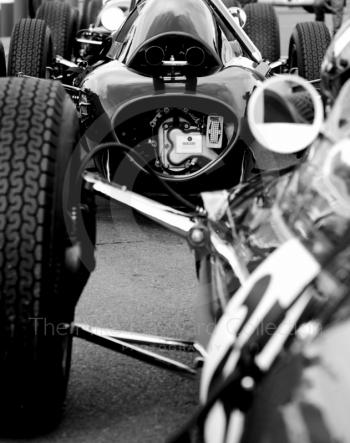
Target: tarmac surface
column 144, row 281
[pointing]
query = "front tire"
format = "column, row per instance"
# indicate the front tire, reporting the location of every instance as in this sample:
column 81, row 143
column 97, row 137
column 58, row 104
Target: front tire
column 38, row 132
column 307, row 48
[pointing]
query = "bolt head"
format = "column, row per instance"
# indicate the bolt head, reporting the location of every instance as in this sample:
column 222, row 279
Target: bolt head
column 197, row 236
column 248, row 383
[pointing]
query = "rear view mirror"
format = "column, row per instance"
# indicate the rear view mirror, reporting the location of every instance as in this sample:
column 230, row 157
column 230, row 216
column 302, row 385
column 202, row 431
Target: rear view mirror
column 112, row 16
column 285, row 114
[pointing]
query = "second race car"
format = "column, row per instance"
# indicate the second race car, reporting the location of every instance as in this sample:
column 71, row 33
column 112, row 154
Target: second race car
column 170, row 79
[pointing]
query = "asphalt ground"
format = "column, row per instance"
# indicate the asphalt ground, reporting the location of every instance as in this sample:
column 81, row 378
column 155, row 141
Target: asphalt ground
column 144, row 281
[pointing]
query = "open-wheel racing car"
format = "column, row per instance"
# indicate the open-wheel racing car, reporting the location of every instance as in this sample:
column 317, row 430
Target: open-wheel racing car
column 197, row 103
column 172, row 81
column 48, row 236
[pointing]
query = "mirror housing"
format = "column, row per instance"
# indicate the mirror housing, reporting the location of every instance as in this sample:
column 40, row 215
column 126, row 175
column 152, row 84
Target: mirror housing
column 285, row 114
column 112, row 16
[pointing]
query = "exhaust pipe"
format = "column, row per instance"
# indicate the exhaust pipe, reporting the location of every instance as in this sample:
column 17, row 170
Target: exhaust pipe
column 195, row 56
column 154, row 55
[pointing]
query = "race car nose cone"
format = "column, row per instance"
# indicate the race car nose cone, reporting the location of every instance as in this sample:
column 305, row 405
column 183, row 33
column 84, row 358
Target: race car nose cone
column 195, row 56
column 154, row 55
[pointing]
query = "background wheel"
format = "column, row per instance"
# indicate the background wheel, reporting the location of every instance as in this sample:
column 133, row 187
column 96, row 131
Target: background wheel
column 307, row 48
column 84, row 15
column 73, row 3
column 62, row 20
column 263, row 28
column 34, row 4
column 38, row 132
column 91, row 9
column 94, row 9
column 246, row 2
column 2, row 61
column 31, row 49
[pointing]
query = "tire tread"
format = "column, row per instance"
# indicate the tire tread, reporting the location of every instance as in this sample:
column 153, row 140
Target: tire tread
column 314, row 38
column 263, row 28
column 31, row 389
column 30, row 48
column 61, row 19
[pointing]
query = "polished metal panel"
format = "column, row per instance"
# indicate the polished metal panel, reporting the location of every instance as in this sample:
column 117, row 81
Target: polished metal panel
column 177, row 221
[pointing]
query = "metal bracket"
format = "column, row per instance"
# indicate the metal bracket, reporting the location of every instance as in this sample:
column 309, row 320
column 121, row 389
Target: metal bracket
column 125, row 343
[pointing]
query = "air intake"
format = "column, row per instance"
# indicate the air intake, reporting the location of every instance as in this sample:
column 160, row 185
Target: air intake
column 154, row 55
column 195, row 56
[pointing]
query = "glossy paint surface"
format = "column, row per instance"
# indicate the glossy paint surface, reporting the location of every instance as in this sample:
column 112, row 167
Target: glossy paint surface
column 116, row 86
column 158, row 17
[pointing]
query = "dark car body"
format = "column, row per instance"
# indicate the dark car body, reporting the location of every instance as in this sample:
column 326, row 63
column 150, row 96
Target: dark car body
column 176, row 90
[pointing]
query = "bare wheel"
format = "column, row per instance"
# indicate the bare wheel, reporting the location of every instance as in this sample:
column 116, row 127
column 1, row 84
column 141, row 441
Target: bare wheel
column 31, row 50
column 307, row 48
column 263, row 28
column 38, row 132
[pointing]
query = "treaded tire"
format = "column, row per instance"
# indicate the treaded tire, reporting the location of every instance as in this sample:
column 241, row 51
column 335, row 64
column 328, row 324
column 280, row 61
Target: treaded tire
column 91, row 9
column 263, row 28
column 307, row 48
column 304, row 105
column 84, row 15
column 62, row 20
column 73, row 3
column 38, row 131
column 94, row 9
column 31, row 49
column 246, row 2
column 2, row 61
